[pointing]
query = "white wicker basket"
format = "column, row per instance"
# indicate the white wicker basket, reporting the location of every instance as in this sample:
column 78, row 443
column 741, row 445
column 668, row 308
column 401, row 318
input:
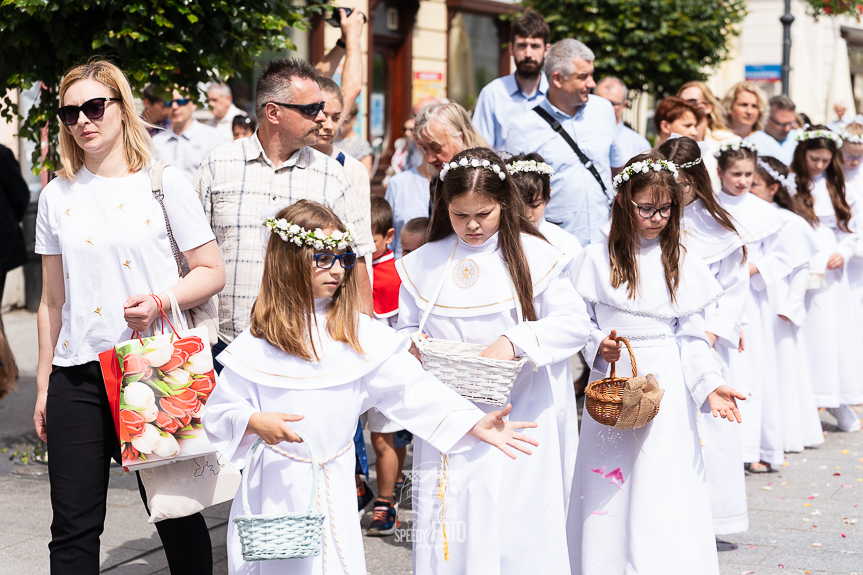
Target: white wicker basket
column 458, row 365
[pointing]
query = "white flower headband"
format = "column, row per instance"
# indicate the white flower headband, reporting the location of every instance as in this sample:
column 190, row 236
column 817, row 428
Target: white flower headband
column 471, row 163
column 290, row 232
column 525, row 166
column 815, row 134
column 789, row 182
column 643, row 167
column 735, row 146
column 694, row 162
column 851, row 138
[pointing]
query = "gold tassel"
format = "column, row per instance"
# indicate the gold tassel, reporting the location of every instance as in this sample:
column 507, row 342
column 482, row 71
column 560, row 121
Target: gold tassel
column 441, row 493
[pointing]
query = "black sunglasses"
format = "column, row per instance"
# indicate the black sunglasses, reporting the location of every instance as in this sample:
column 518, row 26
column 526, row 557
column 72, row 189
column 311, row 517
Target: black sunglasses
column 93, row 109
column 178, row 101
column 308, row 109
column 326, row 261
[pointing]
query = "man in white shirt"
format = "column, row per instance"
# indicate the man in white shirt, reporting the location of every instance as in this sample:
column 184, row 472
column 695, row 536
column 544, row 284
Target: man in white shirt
column 505, row 99
column 778, row 138
column 614, row 90
column 188, row 142
column 221, row 102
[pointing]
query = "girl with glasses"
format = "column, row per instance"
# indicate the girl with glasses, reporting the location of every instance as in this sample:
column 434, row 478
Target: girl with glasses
column 311, row 362
column 642, row 285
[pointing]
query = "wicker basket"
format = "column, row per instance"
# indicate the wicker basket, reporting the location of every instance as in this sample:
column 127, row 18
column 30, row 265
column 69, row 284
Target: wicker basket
column 283, row 536
column 458, row 365
column 604, row 397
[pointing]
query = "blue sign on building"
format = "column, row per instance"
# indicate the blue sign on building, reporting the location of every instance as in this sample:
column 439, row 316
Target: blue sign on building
column 764, row 73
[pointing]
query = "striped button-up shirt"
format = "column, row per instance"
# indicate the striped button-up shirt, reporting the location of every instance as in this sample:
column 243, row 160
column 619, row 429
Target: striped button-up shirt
column 237, row 183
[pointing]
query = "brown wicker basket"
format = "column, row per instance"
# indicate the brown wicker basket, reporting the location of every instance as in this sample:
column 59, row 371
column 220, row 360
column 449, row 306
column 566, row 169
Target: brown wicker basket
column 604, row 397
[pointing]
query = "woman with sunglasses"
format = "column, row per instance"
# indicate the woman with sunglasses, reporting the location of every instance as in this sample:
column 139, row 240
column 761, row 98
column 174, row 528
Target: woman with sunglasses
column 105, row 249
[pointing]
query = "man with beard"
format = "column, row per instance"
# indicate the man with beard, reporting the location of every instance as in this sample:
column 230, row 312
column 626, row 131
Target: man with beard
column 505, row 99
column 274, row 168
column 614, row 90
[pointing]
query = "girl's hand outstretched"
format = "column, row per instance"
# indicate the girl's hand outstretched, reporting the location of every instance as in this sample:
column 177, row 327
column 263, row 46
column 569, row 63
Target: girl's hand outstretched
column 610, row 347
column 723, row 403
column 271, row 427
column 495, row 430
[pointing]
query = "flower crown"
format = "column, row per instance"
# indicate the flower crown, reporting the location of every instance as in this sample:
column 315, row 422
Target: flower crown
column 815, row 134
column 290, row 232
column 525, row 166
column 851, row 138
column 643, row 167
column 694, row 162
column 735, row 147
column 789, row 182
column 471, row 163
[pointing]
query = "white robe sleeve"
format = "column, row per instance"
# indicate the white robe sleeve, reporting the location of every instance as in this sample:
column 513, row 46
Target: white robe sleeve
column 793, row 306
column 701, row 369
column 227, row 415
column 723, row 317
column 590, row 352
column 562, row 331
column 406, row 394
column 409, row 314
column 776, row 262
column 847, row 244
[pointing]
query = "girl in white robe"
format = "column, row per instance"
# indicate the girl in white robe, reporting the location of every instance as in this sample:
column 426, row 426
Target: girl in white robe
column 821, row 200
column 500, row 518
column 769, row 260
column 311, row 359
column 801, row 424
column 636, row 491
column 708, row 230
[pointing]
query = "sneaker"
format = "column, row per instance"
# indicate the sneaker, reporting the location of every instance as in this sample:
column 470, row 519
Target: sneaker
column 846, row 417
column 384, row 521
column 364, row 497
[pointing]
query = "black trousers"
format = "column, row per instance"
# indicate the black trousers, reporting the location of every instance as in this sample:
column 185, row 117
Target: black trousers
column 81, row 443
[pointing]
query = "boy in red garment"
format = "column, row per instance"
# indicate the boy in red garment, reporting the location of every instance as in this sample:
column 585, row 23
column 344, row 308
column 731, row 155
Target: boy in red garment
column 385, row 290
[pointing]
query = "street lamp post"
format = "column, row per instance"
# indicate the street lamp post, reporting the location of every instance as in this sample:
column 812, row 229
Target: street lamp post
column 786, row 20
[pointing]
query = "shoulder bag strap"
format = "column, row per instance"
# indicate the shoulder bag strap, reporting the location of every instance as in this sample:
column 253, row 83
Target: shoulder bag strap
column 158, row 168
column 555, row 125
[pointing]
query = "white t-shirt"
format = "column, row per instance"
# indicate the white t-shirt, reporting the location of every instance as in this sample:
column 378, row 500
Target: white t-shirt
column 112, row 236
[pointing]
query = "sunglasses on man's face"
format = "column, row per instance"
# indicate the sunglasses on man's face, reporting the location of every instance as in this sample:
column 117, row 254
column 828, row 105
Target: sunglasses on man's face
column 179, row 101
column 93, row 109
column 308, row 109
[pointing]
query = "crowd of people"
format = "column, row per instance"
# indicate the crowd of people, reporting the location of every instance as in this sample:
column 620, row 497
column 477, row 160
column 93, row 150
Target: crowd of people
column 539, row 226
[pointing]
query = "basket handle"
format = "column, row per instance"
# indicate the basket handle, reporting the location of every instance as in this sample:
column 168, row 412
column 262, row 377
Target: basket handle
column 631, row 357
column 314, row 461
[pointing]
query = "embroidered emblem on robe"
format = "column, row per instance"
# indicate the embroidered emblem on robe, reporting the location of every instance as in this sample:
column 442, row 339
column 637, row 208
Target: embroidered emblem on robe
column 466, row 273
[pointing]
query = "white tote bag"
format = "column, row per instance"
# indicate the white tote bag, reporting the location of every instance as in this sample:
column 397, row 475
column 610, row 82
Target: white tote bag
column 186, row 487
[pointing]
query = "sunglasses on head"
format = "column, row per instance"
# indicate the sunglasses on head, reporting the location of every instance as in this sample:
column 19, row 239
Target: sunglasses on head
column 307, row 109
column 93, row 109
column 178, row 101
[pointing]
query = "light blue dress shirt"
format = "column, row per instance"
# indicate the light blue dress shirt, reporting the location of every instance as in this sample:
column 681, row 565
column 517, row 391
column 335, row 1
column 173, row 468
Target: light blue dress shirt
column 770, row 146
column 630, row 142
column 578, row 203
column 502, row 102
column 408, row 195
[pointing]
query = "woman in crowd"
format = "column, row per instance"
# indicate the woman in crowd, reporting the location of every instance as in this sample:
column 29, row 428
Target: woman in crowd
column 713, row 129
column 745, row 106
column 675, row 115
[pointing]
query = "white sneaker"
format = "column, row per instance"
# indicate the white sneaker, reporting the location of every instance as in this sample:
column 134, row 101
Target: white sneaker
column 846, row 417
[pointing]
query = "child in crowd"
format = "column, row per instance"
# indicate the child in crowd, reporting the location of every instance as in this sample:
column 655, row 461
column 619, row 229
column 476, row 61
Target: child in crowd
column 634, row 491
column 413, row 234
column 243, row 126
column 312, row 359
column 821, row 200
column 708, row 230
column 486, row 276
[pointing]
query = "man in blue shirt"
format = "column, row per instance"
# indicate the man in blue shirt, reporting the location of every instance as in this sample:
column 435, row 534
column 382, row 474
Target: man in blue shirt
column 507, row 98
column 630, row 142
column 778, row 139
column 579, row 204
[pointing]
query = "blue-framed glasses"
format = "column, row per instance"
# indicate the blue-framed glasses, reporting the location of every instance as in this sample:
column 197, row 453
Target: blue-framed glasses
column 326, row 261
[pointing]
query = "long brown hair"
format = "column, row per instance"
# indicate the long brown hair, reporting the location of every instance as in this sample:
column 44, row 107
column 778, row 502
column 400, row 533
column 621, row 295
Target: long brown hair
column 513, row 219
column 782, row 197
column 624, row 241
column 834, row 175
column 285, row 309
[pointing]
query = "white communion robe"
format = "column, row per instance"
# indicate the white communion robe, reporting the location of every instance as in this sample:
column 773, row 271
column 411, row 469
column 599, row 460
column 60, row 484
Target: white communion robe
column 722, row 250
column 330, row 394
column 834, row 370
column 635, row 492
column 754, row 371
column 502, row 516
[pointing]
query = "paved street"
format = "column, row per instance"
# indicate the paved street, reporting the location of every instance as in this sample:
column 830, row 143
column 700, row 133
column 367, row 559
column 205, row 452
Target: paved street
column 803, row 518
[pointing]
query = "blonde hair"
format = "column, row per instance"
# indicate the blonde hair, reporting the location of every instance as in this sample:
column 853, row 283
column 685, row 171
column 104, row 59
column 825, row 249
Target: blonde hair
column 452, row 118
column 854, row 129
column 731, row 97
column 138, row 150
column 716, row 118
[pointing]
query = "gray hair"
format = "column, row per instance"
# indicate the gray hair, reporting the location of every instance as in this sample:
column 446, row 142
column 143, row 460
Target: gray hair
column 561, row 55
column 782, row 102
column 224, row 89
column 616, row 80
column 274, row 81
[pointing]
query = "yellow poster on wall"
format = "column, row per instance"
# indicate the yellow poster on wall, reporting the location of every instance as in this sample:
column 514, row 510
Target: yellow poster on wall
column 427, row 85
